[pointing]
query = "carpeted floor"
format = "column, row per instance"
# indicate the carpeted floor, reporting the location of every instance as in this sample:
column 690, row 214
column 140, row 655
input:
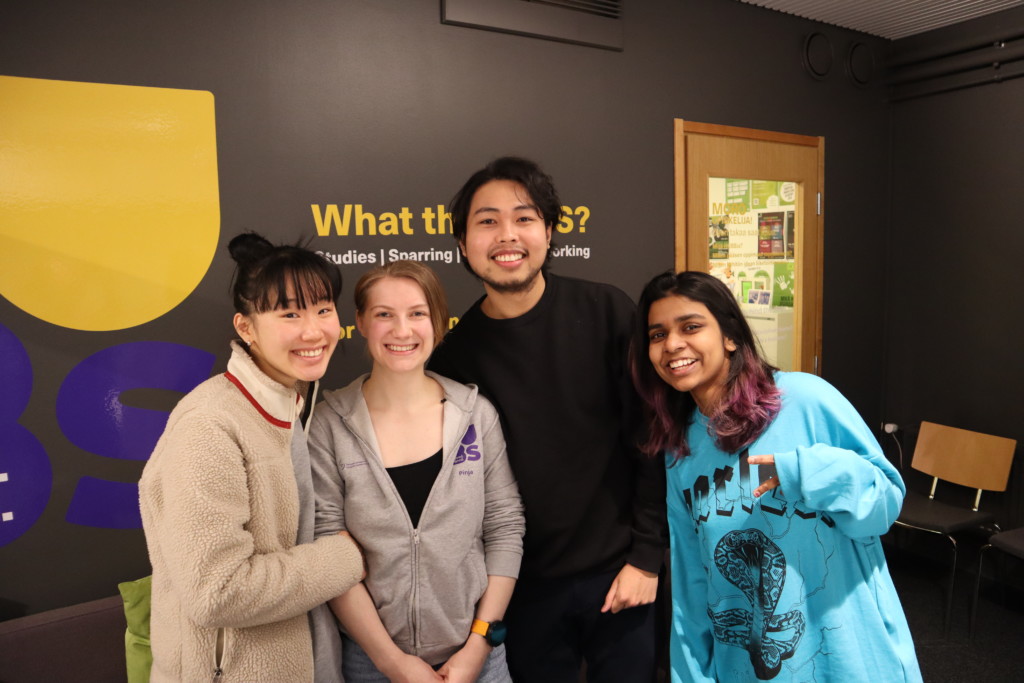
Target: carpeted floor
column 996, row 654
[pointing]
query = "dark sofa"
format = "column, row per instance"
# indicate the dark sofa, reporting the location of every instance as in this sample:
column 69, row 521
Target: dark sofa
column 78, row 644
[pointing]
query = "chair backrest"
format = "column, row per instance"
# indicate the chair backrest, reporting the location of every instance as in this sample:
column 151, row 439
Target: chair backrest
column 980, row 461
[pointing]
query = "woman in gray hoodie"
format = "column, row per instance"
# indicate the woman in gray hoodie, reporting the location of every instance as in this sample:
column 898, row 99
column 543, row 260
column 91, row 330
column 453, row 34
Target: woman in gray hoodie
column 413, row 465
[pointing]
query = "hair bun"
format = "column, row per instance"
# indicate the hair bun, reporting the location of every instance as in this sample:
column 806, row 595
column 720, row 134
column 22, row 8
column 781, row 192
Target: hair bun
column 249, row 247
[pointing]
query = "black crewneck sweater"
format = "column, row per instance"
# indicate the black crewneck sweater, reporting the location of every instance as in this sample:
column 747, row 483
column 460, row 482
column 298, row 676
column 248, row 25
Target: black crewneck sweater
column 558, row 376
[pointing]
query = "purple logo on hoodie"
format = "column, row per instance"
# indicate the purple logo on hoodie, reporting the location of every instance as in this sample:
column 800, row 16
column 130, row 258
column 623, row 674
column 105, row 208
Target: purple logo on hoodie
column 468, row 449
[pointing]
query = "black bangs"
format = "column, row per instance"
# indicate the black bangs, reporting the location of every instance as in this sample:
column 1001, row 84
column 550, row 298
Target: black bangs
column 312, row 278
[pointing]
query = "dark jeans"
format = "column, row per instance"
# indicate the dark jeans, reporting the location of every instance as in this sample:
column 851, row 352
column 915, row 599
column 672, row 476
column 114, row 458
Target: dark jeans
column 555, row 624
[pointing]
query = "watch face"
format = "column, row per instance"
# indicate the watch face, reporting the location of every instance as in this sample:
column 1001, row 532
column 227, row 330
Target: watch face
column 496, row 633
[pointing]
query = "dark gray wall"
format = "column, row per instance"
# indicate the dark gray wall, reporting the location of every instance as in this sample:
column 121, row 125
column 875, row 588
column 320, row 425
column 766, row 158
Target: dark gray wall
column 954, row 317
column 376, row 102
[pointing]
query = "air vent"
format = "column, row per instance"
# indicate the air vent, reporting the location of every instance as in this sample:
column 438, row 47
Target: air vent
column 602, row 8
column 593, row 23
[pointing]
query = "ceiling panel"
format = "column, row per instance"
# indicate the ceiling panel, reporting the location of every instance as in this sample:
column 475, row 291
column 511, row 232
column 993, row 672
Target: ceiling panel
column 891, row 19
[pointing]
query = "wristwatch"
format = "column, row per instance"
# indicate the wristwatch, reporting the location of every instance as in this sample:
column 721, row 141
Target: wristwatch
column 493, row 632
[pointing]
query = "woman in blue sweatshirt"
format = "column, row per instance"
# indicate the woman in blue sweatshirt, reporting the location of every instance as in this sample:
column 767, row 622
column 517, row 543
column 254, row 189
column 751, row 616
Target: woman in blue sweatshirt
column 777, row 495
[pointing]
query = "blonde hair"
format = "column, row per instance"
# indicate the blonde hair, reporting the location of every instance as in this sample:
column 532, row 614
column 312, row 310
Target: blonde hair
column 423, row 276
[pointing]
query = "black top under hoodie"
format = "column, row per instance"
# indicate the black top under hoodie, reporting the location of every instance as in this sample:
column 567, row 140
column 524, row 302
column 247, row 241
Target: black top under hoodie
column 558, row 375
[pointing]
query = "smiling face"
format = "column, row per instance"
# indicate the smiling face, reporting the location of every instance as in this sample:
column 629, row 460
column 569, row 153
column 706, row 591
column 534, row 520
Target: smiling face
column 397, row 326
column 291, row 343
column 688, row 350
column 506, row 240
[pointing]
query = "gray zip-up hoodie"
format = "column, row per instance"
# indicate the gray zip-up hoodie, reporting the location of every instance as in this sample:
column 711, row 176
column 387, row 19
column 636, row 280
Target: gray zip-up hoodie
column 425, row 581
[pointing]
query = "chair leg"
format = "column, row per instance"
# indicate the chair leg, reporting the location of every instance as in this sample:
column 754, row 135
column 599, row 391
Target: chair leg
column 1001, row 558
column 977, row 591
column 949, row 591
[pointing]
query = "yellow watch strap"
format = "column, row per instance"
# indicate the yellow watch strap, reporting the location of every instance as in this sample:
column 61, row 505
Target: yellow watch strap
column 480, row 627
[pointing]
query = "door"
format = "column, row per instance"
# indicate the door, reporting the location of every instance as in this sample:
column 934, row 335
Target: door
column 749, row 211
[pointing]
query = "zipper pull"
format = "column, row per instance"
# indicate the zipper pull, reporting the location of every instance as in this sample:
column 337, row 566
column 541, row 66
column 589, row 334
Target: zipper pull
column 218, row 672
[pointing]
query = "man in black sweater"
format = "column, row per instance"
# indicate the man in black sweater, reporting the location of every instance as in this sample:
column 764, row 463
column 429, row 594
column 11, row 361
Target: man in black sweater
column 550, row 352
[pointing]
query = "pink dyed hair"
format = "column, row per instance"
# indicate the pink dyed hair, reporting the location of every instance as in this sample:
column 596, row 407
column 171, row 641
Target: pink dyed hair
column 750, row 398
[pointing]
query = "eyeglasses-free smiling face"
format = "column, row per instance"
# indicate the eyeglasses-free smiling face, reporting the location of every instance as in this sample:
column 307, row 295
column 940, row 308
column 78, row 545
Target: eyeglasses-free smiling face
column 688, row 350
column 506, row 240
column 397, row 326
column 290, row 344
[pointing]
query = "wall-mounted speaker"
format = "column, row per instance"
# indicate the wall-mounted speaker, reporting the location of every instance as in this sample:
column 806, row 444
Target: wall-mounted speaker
column 818, row 55
column 860, row 63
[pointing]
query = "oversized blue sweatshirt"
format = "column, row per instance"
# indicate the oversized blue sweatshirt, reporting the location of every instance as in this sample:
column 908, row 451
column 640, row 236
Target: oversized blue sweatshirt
column 791, row 586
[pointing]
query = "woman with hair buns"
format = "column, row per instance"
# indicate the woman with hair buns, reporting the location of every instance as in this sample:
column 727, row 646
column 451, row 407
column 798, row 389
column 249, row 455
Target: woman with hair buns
column 226, row 497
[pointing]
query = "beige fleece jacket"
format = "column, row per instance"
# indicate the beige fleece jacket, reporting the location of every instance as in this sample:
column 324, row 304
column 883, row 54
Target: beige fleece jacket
column 219, row 501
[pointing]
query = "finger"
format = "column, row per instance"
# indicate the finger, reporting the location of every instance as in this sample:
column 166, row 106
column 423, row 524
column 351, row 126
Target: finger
column 609, row 599
column 764, row 487
column 768, row 485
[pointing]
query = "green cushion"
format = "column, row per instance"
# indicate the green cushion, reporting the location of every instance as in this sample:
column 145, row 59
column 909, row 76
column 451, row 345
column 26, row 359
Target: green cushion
column 138, row 656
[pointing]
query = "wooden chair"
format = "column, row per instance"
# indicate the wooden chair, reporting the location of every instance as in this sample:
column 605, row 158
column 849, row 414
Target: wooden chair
column 971, row 459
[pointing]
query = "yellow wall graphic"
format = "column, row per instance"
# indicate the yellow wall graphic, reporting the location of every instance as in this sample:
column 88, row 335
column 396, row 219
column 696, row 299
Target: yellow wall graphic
column 109, row 205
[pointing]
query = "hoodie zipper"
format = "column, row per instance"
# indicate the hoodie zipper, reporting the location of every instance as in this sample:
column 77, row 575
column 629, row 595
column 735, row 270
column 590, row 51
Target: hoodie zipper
column 414, row 602
column 414, row 620
column 374, row 457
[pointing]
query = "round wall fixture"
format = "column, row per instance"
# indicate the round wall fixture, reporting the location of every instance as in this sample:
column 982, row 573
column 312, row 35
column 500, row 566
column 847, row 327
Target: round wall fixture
column 860, row 63
column 818, row 55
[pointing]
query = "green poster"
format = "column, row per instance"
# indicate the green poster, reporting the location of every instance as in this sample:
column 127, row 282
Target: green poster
column 783, row 285
column 771, row 194
column 737, row 195
column 761, row 192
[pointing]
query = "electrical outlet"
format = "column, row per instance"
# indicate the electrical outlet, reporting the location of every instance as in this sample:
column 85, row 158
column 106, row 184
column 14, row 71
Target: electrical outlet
column 890, row 427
